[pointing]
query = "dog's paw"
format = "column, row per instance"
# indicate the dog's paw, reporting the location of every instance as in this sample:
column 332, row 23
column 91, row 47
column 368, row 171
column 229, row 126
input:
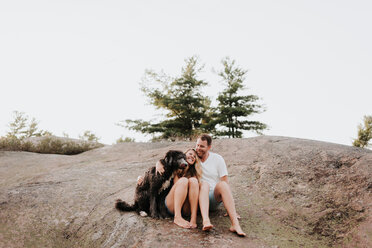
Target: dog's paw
column 155, row 216
column 143, row 213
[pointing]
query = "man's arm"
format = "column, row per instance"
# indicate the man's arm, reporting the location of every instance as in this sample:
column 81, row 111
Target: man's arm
column 224, row 178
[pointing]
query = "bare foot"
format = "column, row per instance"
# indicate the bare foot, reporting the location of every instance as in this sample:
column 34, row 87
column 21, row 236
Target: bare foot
column 236, row 229
column 207, row 226
column 181, row 222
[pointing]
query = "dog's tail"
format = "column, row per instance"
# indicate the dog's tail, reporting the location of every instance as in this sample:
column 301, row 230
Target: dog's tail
column 123, row 206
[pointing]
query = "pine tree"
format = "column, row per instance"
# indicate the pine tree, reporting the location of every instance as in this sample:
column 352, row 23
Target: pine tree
column 89, row 136
column 185, row 106
column 233, row 108
column 364, row 133
column 22, row 127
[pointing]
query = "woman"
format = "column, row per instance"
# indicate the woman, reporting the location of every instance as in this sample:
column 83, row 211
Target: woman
column 184, row 194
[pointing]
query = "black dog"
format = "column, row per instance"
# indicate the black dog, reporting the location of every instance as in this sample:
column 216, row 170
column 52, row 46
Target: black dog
column 149, row 196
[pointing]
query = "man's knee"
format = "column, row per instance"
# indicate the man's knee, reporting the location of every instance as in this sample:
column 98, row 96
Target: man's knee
column 221, row 187
column 222, row 184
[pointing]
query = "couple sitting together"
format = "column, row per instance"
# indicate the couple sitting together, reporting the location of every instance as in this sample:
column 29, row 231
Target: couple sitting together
column 205, row 183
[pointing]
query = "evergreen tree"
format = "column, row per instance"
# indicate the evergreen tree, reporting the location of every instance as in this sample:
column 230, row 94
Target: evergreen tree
column 89, row 136
column 233, row 108
column 364, row 133
column 22, row 127
column 186, row 108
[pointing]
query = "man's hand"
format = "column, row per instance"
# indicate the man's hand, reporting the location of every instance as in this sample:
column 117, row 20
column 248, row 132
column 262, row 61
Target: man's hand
column 159, row 168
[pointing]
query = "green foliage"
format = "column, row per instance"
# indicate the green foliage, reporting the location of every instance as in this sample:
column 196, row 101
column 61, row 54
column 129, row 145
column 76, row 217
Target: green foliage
column 89, row 136
column 364, row 133
column 125, row 140
column 186, row 108
column 188, row 113
column 233, row 108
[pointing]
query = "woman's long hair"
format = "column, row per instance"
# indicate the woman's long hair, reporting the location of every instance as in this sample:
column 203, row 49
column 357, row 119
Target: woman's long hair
column 195, row 170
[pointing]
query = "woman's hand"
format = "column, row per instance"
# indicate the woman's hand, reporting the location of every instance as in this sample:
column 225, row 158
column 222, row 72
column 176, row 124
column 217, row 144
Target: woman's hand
column 139, row 180
column 159, row 167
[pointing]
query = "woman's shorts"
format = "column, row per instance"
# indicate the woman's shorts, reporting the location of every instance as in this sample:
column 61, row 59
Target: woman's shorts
column 213, row 203
column 166, row 207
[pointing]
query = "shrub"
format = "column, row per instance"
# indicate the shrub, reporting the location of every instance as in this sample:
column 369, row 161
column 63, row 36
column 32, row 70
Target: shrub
column 125, row 140
column 10, row 143
column 24, row 135
column 47, row 145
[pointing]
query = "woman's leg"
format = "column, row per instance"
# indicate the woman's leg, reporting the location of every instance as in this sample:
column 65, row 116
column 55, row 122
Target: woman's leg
column 193, row 200
column 175, row 199
column 223, row 193
column 204, row 205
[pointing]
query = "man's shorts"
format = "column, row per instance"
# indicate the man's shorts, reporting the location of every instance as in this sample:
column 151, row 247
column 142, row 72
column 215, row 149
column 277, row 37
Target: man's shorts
column 213, row 203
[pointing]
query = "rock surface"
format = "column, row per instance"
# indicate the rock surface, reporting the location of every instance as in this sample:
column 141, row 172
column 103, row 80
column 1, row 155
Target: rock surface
column 289, row 192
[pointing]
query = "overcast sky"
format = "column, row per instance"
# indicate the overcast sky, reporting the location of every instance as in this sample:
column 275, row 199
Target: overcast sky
column 75, row 65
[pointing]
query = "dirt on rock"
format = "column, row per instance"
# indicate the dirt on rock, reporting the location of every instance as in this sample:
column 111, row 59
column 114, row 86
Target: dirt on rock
column 289, row 192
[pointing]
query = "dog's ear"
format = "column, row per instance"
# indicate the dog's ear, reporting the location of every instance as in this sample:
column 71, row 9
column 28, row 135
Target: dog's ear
column 168, row 158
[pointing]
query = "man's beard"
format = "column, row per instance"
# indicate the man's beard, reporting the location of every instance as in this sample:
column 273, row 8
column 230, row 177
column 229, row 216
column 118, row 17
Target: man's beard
column 200, row 154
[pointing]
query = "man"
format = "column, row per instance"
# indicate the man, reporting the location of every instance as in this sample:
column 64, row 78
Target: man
column 214, row 187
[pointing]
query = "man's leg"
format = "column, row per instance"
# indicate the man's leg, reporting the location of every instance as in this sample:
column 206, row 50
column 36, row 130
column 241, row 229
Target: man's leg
column 193, row 200
column 204, row 205
column 223, row 193
column 175, row 199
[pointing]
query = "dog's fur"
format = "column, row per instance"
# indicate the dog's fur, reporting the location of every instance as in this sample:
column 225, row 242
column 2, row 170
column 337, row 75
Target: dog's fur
column 150, row 195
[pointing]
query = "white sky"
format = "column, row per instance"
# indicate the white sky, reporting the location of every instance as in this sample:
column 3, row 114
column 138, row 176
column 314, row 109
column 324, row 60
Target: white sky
column 76, row 65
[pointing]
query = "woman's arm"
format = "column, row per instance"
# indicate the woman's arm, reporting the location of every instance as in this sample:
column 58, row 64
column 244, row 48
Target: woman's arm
column 159, row 169
column 140, row 180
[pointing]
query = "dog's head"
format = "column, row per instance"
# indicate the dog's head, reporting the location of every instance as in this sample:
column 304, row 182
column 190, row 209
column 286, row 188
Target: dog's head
column 175, row 160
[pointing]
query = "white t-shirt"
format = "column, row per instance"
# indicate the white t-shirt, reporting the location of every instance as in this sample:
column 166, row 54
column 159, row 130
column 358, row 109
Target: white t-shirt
column 213, row 169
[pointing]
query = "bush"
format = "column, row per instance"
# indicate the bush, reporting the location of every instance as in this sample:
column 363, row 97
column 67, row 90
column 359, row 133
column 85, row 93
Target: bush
column 24, row 135
column 10, row 143
column 125, row 140
column 47, row 145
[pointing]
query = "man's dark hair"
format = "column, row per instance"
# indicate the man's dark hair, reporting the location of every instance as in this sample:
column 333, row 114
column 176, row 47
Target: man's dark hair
column 206, row 137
